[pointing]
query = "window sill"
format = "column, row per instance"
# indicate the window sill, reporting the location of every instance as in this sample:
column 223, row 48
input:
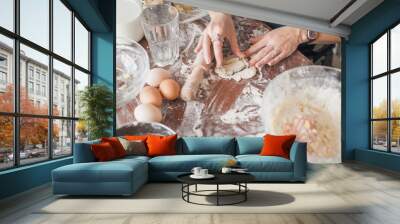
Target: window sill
column 30, row 166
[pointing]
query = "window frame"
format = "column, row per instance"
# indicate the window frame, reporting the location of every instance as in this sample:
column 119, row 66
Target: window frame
column 16, row 114
column 388, row 74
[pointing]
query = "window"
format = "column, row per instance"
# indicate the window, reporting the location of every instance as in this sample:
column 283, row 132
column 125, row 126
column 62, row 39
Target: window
column 6, row 73
column 44, row 91
column 7, row 14
column 30, row 87
column 46, row 75
column 62, row 74
column 30, row 72
column 3, row 71
column 3, row 78
column 385, row 94
column 38, row 89
column 35, row 21
column 62, row 29
column 81, row 45
column 38, row 74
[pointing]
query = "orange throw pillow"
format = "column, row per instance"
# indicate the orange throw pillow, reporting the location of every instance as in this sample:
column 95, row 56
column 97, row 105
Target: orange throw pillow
column 116, row 145
column 136, row 137
column 277, row 145
column 161, row 145
column 103, row 152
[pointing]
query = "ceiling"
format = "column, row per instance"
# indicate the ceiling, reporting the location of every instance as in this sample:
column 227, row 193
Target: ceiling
column 330, row 16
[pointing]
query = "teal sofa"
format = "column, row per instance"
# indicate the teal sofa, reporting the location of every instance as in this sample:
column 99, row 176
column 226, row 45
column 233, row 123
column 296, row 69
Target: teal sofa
column 125, row 176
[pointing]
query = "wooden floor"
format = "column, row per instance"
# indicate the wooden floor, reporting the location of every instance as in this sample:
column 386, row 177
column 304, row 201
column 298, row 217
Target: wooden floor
column 379, row 189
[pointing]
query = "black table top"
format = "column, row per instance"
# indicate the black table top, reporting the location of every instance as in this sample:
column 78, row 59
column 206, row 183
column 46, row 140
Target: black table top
column 220, row 178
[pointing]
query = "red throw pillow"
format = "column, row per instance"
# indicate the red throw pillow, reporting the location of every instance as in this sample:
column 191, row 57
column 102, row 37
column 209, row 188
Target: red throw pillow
column 161, row 145
column 116, row 145
column 277, row 145
column 103, row 152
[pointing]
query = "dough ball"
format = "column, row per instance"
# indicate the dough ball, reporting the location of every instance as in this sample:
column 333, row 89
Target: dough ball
column 151, row 95
column 170, row 89
column 148, row 113
column 156, row 76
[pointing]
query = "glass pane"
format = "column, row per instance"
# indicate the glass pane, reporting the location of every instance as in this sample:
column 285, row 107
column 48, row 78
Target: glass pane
column 379, row 97
column 62, row 29
column 62, row 138
column 62, row 89
column 81, row 132
column 379, row 135
column 81, row 45
column 395, row 47
column 7, row 14
column 81, row 81
column 395, row 138
column 6, row 142
column 34, row 97
column 33, row 139
column 6, row 74
column 395, row 94
column 35, row 21
column 379, row 55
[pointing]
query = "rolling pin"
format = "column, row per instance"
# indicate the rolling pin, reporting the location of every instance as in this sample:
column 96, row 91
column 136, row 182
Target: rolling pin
column 193, row 81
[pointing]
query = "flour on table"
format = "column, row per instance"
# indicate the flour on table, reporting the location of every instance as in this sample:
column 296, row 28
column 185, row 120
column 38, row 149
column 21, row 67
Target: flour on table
column 235, row 68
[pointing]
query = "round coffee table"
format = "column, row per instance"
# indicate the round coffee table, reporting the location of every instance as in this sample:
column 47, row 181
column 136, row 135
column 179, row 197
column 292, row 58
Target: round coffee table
column 238, row 179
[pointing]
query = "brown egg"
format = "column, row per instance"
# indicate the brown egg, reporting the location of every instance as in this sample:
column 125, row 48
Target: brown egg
column 170, row 89
column 150, row 95
column 156, row 76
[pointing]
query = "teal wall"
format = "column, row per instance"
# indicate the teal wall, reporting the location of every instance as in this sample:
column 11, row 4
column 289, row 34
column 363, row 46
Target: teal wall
column 99, row 15
column 103, row 52
column 355, row 70
column 24, row 178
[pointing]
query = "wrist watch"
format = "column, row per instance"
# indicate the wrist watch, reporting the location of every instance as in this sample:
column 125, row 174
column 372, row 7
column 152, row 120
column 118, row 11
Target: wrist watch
column 311, row 36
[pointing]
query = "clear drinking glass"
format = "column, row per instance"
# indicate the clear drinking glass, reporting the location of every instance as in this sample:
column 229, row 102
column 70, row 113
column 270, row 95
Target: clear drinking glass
column 161, row 27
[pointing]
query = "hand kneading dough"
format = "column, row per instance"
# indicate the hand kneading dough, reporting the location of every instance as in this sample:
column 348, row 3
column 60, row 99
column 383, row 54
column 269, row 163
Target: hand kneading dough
column 235, row 68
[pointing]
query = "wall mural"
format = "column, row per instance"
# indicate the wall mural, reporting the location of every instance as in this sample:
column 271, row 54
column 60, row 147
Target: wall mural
column 300, row 94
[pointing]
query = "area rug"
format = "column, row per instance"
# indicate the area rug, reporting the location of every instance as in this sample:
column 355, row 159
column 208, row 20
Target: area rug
column 166, row 198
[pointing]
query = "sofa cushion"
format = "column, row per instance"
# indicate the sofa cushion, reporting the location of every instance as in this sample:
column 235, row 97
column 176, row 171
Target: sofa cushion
column 116, row 145
column 206, row 145
column 277, row 145
column 103, row 152
column 249, row 145
column 161, row 145
column 257, row 163
column 112, row 171
column 185, row 163
column 133, row 147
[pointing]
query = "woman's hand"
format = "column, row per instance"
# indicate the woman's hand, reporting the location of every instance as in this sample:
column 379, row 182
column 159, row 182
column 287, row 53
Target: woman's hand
column 275, row 45
column 220, row 27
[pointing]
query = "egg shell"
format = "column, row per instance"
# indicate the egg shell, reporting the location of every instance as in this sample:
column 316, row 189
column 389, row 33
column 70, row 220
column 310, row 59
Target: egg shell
column 156, row 76
column 151, row 95
column 147, row 113
column 170, row 89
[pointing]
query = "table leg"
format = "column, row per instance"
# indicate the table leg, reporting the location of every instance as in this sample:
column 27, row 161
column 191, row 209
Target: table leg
column 245, row 193
column 195, row 188
column 217, row 194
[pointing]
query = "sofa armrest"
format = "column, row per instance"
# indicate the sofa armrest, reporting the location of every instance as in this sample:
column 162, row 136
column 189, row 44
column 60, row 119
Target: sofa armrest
column 298, row 155
column 83, row 152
